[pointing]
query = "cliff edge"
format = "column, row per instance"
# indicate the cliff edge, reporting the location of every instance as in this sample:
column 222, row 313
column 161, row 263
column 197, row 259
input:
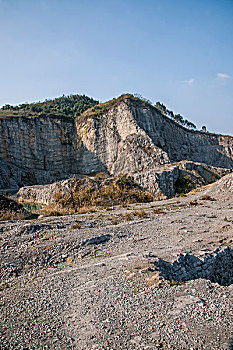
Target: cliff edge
column 123, row 136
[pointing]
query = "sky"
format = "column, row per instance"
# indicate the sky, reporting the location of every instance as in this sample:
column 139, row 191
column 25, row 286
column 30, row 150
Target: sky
column 178, row 52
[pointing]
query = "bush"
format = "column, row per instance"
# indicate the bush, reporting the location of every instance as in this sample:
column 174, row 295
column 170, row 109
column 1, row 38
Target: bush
column 86, row 193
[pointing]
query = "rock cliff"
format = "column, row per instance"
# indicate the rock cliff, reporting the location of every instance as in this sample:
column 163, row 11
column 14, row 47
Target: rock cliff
column 125, row 135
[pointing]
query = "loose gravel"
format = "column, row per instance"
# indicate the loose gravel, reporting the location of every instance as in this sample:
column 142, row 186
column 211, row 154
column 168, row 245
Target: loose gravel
column 93, row 281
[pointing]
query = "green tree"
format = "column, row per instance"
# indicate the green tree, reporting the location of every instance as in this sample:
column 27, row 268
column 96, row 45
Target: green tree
column 203, row 128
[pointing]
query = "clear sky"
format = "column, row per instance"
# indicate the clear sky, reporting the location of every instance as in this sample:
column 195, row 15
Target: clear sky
column 178, row 52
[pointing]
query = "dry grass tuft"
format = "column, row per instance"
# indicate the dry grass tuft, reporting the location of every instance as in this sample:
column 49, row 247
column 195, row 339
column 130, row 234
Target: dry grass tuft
column 115, row 222
column 193, row 203
column 206, row 197
column 129, row 216
column 87, row 194
column 76, row 226
column 159, row 211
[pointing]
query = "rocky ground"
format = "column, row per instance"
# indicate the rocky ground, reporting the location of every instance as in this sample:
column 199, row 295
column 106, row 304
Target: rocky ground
column 150, row 276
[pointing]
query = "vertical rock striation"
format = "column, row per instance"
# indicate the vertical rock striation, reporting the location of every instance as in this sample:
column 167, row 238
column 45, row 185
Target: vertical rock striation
column 127, row 136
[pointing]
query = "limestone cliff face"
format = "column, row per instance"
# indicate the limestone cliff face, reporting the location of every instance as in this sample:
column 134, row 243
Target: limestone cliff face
column 40, row 143
column 180, row 143
column 134, row 136
column 119, row 142
column 36, row 150
column 129, row 137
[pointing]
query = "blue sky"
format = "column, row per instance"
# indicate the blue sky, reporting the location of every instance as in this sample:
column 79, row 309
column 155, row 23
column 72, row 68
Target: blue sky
column 178, row 52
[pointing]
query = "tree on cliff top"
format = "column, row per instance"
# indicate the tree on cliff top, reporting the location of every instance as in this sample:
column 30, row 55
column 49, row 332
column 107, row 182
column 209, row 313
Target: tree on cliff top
column 176, row 117
column 68, row 106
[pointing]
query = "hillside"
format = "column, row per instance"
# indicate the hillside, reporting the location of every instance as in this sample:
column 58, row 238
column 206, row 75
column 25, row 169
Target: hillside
column 65, row 106
column 126, row 135
column 129, row 267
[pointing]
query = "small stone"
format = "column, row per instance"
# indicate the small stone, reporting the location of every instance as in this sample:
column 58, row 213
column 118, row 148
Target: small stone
column 27, row 266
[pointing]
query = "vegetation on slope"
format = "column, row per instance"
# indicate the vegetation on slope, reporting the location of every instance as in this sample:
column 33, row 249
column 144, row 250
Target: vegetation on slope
column 101, row 191
column 82, row 107
column 176, row 117
column 69, row 106
column 103, row 108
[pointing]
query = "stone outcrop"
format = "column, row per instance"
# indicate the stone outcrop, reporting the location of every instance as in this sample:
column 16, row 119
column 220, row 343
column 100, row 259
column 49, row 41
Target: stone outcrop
column 167, row 180
column 127, row 136
column 163, row 182
column 216, row 266
column 134, row 136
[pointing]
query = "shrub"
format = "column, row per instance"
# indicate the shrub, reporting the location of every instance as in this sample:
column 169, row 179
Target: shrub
column 129, row 216
column 57, row 196
column 216, row 176
column 105, row 192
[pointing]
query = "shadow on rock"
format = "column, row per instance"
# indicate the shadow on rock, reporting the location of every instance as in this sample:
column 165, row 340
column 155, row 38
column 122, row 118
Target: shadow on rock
column 216, row 267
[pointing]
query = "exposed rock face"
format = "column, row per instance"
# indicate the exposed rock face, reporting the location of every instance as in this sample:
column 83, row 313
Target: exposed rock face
column 134, row 137
column 130, row 137
column 36, row 150
column 165, row 181
column 217, row 266
column 162, row 182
